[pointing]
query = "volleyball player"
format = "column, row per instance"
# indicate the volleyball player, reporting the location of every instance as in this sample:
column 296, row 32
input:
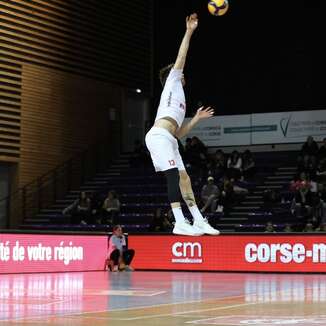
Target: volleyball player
column 161, row 140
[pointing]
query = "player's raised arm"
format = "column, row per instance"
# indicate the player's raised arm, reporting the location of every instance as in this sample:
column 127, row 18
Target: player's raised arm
column 202, row 113
column 191, row 24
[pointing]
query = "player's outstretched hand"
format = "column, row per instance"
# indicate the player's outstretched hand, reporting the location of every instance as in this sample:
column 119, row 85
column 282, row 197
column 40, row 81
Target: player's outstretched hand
column 204, row 113
column 192, row 22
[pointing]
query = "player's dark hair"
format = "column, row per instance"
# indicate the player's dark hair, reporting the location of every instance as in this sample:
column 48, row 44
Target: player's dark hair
column 164, row 73
column 116, row 227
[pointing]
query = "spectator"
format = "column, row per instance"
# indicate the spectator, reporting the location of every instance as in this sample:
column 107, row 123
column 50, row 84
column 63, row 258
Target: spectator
column 227, row 198
column 119, row 256
column 234, row 165
column 160, row 222
column 197, row 156
column 80, row 209
column 96, row 206
column 139, row 157
column 321, row 155
column 187, row 151
column 309, row 151
column 248, row 165
column 321, row 171
column 288, row 228
column 321, row 228
column 216, row 166
column 111, row 208
column 209, row 195
column 269, row 227
column 309, row 227
column 271, row 197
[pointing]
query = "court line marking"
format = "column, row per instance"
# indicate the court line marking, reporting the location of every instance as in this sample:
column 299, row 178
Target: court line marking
column 255, row 317
column 190, row 311
column 125, row 309
column 141, row 307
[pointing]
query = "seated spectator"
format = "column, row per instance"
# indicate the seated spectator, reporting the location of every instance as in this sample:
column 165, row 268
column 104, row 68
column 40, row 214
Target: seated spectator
column 139, row 156
column 308, row 166
column 119, row 256
column 303, row 201
column 248, row 165
column 111, row 208
column 209, row 195
column 216, row 166
column 271, row 197
column 197, row 155
column 309, row 227
column 96, row 207
column 80, row 209
column 288, row 228
column 321, row 155
column 227, row 197
column 309, row 152
column 321, row 228
column 234, row 166
column 269, row 227
column 239, row 188
column 160, row 222
column 187, row 151
column 321, row 171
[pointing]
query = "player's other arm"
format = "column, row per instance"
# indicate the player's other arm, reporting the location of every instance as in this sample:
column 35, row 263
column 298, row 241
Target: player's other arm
column 191, row 24
column 201, row 113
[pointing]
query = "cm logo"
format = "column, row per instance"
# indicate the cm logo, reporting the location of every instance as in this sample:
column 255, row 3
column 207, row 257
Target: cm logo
column 187, row 249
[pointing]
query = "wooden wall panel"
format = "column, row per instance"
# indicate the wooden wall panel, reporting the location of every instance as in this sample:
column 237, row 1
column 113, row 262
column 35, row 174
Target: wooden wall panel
column 10, row 102
column 91, row 38
column 61, row 114
column 104, row 41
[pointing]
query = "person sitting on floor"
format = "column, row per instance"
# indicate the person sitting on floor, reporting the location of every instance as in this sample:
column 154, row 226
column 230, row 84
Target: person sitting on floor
column 119, row 256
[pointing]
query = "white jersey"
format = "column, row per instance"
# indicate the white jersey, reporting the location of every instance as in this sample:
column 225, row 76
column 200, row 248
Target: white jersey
column 173, row 103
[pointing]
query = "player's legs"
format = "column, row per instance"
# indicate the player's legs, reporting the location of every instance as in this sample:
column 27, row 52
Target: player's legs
column 161, row 146
column 200, row 223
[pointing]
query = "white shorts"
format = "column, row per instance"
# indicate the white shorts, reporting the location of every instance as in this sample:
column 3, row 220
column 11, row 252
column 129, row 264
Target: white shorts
column 164, row 150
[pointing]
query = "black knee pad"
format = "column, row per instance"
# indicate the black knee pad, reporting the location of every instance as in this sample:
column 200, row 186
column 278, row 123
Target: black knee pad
column 173, row 179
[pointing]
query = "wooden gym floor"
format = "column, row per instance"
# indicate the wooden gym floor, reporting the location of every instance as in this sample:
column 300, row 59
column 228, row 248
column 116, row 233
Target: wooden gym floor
column 162, row 298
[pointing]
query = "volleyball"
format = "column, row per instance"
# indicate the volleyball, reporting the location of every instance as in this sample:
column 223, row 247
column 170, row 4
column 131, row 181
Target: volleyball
column 218, row 7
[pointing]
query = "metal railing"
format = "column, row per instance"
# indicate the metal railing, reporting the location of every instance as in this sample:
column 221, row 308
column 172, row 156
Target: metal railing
column 41, row 193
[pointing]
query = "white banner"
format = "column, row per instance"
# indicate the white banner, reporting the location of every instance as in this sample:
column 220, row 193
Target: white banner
column 288, row 127
column 229, row 130
column 261, row 128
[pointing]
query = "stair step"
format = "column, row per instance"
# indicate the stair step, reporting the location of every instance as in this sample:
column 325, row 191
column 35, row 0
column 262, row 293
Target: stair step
column 119, row 165
column 252, row 202
column 236, row 219
column 287, row 168
column 36, row 220
column 226, row 224
column 90, row 187
column 253, row 197
column 95, row 182
column 59, row 206
column 64, row 201
column 246, row 207
column 50, row 211
column 285, row 173
column 107, row 174
column 275, row 182
column 280, row 177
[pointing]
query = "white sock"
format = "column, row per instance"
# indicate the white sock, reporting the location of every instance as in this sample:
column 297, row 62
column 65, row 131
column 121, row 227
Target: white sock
column 178, row 215
column 196, row 214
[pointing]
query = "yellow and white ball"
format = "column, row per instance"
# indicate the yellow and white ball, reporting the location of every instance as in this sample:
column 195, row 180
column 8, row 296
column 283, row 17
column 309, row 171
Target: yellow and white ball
column 218, row 7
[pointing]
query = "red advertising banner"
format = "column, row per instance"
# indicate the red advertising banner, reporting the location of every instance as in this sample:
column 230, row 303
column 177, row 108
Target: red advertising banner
column 259, row 253
column 26, row 253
